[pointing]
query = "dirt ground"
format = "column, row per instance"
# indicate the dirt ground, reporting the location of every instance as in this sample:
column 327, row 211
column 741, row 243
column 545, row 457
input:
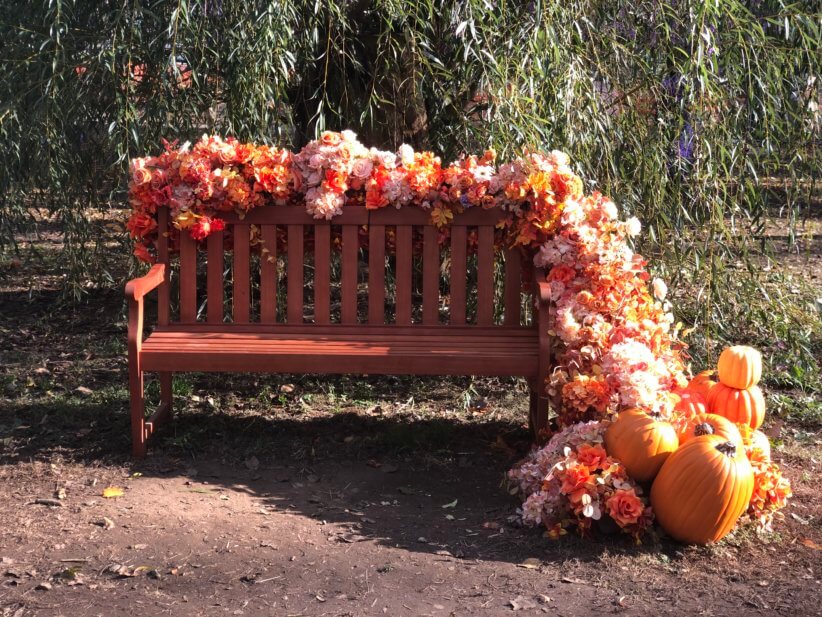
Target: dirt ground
column 299, row 495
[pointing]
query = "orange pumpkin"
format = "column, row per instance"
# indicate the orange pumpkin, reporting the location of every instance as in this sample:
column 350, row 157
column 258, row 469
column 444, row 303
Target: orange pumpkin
column 710, row 424
column 702, row 490
column 640, row 442
column 740, row 367
column 739, row 406
column 702, row 383
column 755, row 440
column 690, row 403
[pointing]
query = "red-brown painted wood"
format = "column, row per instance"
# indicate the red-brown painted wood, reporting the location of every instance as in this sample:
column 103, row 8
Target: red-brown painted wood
column 214, row 281
column 268, row 274
column 430, row 276
column 295, row 274
column 459, row 274
column 404, row 265
column 513, row 287
column 164, row 290
column 430, row 348
column 348, row 285
column 322, row 274
column 376, row 274
column 360, row 215
column 485, row 276
column 188, row 278
column 241, row 298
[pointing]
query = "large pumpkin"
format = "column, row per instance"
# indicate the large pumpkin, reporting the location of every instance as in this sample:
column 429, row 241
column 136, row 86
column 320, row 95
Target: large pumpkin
column 702, row 490
column 739, row 367
column 640, row 442
column 739, row 406
column 709, row 424
column 702, row 383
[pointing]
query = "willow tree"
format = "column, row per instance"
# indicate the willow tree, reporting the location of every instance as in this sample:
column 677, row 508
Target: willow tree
column 685, row 111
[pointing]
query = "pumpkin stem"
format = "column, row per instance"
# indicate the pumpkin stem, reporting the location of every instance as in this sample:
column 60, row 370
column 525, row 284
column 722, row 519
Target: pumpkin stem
column 703, row 429
column 727, row 448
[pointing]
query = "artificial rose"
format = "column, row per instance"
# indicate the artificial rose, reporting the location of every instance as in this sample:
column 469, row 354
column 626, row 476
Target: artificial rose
column 625, row 507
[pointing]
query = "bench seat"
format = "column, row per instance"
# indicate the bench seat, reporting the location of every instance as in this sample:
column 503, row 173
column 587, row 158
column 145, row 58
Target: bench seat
column 447, row 350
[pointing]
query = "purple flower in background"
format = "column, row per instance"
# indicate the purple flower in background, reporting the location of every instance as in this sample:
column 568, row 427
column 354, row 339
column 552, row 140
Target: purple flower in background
column 685, row 144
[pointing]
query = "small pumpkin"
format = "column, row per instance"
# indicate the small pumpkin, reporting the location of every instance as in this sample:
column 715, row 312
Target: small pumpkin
column 640, row 442
column 755, row 440
column 689, row 403
column 702, row 490
column 702, row 383
column 739, row 406
column 710, row 424
column 739, row 367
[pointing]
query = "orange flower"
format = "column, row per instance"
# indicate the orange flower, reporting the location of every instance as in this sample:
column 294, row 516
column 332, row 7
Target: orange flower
column 594, row 457
column 336, row 181
column 575, row 477
column 625, row 507
column 330, row 138
column 140, row 225
column 141, row 175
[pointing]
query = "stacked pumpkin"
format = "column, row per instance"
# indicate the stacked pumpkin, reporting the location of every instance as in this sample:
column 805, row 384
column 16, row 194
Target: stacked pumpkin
column 702, row 478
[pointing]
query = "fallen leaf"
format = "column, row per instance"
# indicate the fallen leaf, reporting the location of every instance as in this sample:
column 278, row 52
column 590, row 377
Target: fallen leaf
column 84, row 391
column 54, row 503
column 106, row 523
column 811, row 544
column 43, row 587
column 287, row 388
column 111, row 492
column 453, row 504
column 532, row 563
column 521, row 603
column 60, row 493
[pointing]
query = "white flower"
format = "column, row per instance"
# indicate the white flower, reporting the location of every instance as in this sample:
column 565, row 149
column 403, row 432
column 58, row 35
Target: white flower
column 633, row 226
column 406, row 154
column 660, row 289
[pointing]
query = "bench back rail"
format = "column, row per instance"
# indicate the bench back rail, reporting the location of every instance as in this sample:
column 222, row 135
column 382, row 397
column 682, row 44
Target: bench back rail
column 397, row 292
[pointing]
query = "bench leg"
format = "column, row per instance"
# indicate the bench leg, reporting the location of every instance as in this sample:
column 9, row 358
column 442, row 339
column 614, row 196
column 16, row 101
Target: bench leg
column 141, row 427
column 538, row 413
column 138, row 412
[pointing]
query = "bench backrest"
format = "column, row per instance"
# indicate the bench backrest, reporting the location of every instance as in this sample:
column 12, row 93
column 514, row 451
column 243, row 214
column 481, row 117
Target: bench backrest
column 256, row 295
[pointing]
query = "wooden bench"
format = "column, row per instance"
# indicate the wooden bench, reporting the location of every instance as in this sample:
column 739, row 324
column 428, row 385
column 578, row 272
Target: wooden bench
column 267, row 329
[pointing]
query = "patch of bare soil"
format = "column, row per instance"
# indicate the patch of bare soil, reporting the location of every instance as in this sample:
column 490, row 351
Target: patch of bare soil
column 301, row 495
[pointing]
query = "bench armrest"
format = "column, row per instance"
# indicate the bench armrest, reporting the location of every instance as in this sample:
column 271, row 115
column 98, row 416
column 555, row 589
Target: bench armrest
column 139, row 287
column 542, row 287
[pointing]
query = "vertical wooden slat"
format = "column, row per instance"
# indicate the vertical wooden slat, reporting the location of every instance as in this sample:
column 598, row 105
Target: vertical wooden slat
column 376, row 274
column 348, row 284
column 513, row 276
column 295, row 274
column 241, row 297
column 322, row 274
column 188, row 278
column 214, row 285
column 485, row 276
column 268, row 274
column 163, row 292
column 430, row 276
column 459, row 274
column 404, row 270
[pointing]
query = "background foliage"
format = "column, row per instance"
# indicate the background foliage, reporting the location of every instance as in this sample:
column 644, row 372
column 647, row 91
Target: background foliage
column 698, row 117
